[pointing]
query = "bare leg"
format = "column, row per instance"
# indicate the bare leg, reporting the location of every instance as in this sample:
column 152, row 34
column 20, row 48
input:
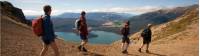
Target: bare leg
column 83, row 43
column 147, row 50
column 55, row 48
column 81, row 46
column 44, row 50
column 142, row 46
column 127, row 45
column 122, row 46
column 147, row 46
column 140, row 49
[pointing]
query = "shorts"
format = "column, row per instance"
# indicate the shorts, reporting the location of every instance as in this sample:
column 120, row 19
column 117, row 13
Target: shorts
column 125, row 39
column 47, row 41
column 146, row 40
column 83, row 37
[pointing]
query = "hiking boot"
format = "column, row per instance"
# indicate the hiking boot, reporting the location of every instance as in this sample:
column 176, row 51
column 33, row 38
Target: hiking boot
column 79, row 48
column 84, row 49
column 140, row 50
column 147, row 51
column 125, row 52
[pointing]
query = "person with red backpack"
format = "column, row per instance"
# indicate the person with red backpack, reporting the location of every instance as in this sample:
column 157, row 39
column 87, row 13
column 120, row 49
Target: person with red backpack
column 125, row 39
column 83, row 31
column 48, row 36
column 146, row 35
column 37, row 26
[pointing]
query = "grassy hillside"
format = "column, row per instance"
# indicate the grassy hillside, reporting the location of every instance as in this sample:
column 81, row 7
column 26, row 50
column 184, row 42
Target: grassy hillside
column 186, row 20
column 181, row 24
column 158, row 17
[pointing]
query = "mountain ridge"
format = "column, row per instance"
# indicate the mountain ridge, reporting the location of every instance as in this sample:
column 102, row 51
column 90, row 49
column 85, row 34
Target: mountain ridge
column 158, row 17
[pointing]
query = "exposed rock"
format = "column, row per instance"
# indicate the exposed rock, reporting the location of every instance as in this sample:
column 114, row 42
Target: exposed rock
column 7, row 9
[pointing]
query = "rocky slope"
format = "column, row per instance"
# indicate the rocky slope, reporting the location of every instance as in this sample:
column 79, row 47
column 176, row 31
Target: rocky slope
column 7, row 9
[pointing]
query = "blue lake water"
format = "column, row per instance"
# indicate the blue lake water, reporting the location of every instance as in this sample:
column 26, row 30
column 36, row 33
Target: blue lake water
column 101, row 38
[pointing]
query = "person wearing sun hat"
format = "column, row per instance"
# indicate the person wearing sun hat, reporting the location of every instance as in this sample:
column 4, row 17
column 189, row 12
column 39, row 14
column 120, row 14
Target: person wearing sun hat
column 146, row 35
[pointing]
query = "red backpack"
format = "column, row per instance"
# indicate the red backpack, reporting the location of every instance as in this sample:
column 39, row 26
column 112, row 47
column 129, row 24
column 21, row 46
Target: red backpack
column 37, row 26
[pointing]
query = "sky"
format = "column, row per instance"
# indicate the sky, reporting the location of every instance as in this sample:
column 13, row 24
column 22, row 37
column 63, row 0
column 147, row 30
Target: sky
column 35, row 7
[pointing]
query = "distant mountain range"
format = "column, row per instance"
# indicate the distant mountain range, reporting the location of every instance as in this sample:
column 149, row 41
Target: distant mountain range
column 98, row 15
column 64, row 24
column 65, row 21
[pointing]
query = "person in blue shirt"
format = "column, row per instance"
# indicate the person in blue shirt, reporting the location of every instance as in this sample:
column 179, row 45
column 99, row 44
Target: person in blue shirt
column 48, row 36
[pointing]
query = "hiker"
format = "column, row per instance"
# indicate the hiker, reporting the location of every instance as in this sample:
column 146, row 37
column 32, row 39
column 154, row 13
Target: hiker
column 48, row 36
column 125, row 39
column 146, row 35
column 83, row 32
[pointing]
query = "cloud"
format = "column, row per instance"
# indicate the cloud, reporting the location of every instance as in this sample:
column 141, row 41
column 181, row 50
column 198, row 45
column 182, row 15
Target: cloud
column 39, row 12
column 136, row 10
column 145, row 9
column 133, row 10
column 31, row 1
column 32, row 12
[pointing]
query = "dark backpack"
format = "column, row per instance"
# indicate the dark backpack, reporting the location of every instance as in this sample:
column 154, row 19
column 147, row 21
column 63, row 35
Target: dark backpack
column 145, row 32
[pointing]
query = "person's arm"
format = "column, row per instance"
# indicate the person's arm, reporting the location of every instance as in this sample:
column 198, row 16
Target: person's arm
column 87, row 29
column 50, row 25
column 45, row 25
column 128, row 31
column 150, row 32
column 140, row 36
column 54, row 31
column 122, row 31
column 79, row 28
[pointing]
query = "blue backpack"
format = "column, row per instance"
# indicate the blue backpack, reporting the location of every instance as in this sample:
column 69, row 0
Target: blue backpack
column 145, row 32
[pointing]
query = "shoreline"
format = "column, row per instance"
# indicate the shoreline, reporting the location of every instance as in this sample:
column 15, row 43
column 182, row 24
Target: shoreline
column 65, row 41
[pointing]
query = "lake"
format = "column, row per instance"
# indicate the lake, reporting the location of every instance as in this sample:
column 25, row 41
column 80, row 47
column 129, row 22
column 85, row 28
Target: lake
column 102, row 37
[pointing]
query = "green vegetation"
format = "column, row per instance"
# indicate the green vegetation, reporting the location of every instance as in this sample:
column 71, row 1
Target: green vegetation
column 118, row 23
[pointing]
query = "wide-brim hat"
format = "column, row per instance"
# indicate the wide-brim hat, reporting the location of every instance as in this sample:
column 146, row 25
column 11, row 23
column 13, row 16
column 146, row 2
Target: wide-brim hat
column 149, row 25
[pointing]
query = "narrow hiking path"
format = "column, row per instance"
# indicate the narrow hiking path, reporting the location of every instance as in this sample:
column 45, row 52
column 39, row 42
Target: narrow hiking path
column 180, row 48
